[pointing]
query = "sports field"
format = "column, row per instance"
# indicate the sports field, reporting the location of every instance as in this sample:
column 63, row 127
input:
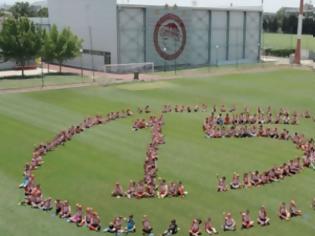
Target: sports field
column 85, row 169
column 287, row 41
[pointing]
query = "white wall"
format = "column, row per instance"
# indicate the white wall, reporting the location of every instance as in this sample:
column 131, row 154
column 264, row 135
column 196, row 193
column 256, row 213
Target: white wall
column 9, row 65
column 79, row 15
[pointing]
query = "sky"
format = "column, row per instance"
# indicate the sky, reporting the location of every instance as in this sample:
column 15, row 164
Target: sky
column 269, row 5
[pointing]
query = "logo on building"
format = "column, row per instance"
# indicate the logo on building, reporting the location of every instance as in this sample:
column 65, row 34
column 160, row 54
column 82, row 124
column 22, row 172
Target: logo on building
column 170, row 37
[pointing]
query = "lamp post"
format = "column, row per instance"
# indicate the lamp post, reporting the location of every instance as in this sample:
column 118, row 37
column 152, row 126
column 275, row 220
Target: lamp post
column 259, row 52
column 175, row 69
column 81, row 63
column 164, row 50
column 42, row 72
column 216, row 54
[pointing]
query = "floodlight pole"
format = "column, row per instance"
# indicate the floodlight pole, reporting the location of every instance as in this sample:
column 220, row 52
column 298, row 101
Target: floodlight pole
column 175, row 58
column 165, row 50
column 91, row 53
column 42, row 68
column 81, row 62
column 297, row 58
column 216, row 54
column 259, row 50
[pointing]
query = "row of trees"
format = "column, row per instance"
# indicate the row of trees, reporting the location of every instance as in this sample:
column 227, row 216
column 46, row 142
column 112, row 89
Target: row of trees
column 288, row 24
column 20, row 9
column 22, row 41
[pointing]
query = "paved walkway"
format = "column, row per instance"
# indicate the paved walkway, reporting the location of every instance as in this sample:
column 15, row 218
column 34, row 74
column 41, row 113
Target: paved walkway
column 18, row 73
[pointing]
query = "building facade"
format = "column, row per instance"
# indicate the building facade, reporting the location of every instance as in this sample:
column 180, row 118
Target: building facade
column 165, row 35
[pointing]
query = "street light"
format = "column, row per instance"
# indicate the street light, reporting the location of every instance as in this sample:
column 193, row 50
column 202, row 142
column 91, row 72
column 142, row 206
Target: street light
column 164, row 50
column 216, row 53
column 175, row 69
column 42, row 71
column 259, row 52
column 81, row 52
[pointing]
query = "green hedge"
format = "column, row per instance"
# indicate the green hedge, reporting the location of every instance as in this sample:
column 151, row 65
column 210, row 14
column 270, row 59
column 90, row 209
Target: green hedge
column 279, row 52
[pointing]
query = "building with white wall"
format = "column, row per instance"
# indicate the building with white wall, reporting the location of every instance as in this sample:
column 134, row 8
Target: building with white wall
column 165, row 35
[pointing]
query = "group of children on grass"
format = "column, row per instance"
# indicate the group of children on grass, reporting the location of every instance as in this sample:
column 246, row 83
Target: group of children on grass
column 33, row 195
column 120, row 225
column 151, row 186
column 229, row 223
column 216, row 127
column 256, row 178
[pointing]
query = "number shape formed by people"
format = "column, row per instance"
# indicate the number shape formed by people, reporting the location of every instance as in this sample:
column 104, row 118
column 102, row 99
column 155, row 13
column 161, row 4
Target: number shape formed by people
column 221, row 123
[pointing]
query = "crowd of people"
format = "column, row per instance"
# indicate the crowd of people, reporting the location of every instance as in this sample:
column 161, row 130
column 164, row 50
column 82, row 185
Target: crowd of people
column 217, row 127
column 33, row 195
column 229, row 223
column 231, row 125
column 127, row 225
column 151, row 185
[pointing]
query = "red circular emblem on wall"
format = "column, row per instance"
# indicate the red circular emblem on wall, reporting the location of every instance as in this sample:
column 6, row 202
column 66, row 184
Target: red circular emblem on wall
column 170, row 37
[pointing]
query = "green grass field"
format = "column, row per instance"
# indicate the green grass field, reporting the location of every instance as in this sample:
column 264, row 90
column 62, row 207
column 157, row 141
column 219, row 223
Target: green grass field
column 287, row 41
column 85, row 169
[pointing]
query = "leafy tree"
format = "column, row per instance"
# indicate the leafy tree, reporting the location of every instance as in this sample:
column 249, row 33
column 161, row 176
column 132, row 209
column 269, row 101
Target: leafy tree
column 20, row 9
column 20, row 40
column 48, row 48
column 274, row 25
column 42, row 12
column 289, row 24
column 63, row 45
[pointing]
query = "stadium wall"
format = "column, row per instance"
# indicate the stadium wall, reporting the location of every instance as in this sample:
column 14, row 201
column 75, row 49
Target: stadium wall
column 166, row 36
column 212, row 36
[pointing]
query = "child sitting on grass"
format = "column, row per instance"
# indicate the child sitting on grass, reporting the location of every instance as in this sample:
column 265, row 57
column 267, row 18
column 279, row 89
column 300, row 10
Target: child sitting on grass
column 294, row 211
column 78, row 216
column 263, row 219
column 283, row 212
column 95, row 223
column 221, row 184
column 246, row 220
column 163, row 189
column 146, row 226
column 172, row 229
column 195, row 228
column 131, row 225
column 65, row 212
column 210, row 230
column 86, row 220
column 229, row 222
column 235, row 184
column 118, row 191
column 47, row 204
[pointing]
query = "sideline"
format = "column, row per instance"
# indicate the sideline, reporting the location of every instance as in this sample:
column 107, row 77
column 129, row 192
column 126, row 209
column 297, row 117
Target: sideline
column 196, row 73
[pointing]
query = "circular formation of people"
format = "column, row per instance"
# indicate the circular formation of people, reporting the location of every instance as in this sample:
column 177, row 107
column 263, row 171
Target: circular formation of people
column 221, row 123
